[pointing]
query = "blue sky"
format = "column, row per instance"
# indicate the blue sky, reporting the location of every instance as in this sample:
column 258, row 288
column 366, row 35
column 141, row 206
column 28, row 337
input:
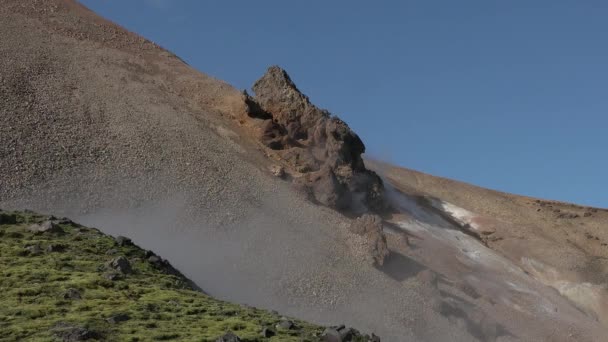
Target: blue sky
column 510, row 95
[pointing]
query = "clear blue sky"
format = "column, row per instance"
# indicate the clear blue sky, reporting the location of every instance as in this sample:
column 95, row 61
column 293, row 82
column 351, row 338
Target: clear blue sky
column 510, row 95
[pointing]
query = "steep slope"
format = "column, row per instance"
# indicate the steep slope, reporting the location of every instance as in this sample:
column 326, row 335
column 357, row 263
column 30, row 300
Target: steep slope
column 104, row 126
column 88, row 106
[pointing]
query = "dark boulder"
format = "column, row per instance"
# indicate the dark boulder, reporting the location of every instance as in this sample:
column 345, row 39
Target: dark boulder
column 343, row 334
column 331, row 335
column 7, row 218
column 72, row 294
column 115, row 319
column 123, row 241
column 73, row 333
column 228, row 337
column 155, row 260
column 65, row 221
column 267, row 332
column 55, row 248
column 120, row 264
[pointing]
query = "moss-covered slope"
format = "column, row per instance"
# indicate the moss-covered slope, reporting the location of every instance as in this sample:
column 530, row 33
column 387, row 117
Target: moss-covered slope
column 62, row 281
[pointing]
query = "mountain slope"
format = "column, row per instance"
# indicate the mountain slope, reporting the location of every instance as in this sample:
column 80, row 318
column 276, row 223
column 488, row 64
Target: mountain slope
column 104, row 126
column 564, row 246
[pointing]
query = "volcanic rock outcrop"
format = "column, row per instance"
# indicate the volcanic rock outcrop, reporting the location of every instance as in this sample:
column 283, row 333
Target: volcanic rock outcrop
column 315, row 144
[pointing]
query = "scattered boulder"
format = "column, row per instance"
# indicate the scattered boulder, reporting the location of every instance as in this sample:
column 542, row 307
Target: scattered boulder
column 121, row 264
column 123, row 241
column 111, row 276
column 370, row 226
column 331, row 335
column 46, row 227
column 348, row 334
column 6, row 218
column 268, row 333
column 163, row 264
column 228, row 337
column 374, row 338
column 115, row 319
column 55, row 248
column 33, row 249
column 64, row 220
column 72, row 294
column 343, row 334
column 568, row 215
column 112, row 251
column 313, row 141
column 73, row 333
column 285, row 324
column 155, row 259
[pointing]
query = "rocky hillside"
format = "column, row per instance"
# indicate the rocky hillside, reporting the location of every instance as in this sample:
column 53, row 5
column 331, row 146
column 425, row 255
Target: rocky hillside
column 562, row 245
column 70, row 137
column 240, row 192
column 63, row 280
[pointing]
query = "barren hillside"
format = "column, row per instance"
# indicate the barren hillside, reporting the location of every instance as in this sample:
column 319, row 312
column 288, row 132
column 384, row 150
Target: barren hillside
column 254, row 197
column 564, row 246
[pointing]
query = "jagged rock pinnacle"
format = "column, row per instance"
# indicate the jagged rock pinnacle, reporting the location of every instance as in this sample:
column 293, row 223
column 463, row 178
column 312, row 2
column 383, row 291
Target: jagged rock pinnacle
column 316, row 143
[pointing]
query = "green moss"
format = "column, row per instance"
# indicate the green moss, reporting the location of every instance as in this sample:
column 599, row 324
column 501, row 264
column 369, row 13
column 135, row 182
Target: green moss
column 160, row 306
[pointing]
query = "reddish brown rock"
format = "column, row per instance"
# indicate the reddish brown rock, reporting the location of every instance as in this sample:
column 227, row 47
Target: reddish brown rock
column 312, row 141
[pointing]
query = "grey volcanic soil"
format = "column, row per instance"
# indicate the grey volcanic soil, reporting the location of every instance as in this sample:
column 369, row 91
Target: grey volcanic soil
column 103, row 126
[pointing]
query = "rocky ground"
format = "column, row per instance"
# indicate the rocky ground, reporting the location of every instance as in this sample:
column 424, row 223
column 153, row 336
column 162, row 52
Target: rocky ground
column 239, row 192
